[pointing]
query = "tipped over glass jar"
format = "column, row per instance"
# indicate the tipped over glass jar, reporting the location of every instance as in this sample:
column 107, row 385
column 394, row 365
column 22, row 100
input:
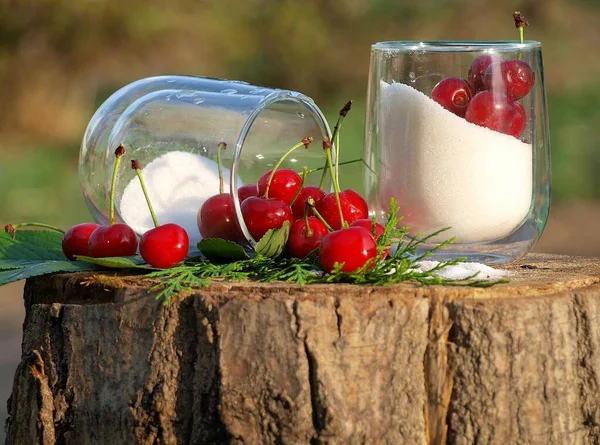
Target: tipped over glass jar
column 457, row 134
column 173, row 126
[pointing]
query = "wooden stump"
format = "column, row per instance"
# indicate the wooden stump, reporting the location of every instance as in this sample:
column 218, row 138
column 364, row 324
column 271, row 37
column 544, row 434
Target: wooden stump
column 247, row 363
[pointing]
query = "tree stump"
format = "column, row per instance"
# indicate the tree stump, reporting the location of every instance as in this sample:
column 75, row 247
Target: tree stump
column 244, row 363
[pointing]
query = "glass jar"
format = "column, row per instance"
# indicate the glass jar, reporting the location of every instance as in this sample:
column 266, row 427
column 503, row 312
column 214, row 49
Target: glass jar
column 173, row 125
column 470, row 154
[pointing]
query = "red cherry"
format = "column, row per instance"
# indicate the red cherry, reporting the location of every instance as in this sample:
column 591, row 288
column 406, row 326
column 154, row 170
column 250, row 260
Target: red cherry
column 491, row 110
column 368, row 224
column 286, row 182
column 309, row 191
column 454, row 94
column 477, row 70
column 519, row 121
column 75, row 240
column 114, row 240
column 164, row 246
column 261, row 215
column 299, row 243
column 354, row 207
column 353, row 246
column 246, row 191
column 216, row 218
column 514, row 78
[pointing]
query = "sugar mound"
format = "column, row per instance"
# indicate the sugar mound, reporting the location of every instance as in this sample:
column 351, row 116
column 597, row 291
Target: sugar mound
column 178, row 183
column 447, row 172
column 464, row 270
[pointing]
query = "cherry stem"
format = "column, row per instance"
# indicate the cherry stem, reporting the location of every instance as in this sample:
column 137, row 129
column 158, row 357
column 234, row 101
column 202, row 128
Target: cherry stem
column 311, row 202
column 337, row 154
column 221, row 146
column 11, row 229
column 342, row 163
column 135, row 164
column 305, row 142
column 304, row 173
column 309, row 231
column 119, row 152
column 335, row 138
column 336, row 185
column 520, row 23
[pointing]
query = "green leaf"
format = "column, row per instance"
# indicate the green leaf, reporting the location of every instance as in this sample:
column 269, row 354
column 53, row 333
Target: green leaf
column 135, row 262
column 220, row 250
column 31, row 245
column 32, row 253
column 35, row 268
column 272, row 244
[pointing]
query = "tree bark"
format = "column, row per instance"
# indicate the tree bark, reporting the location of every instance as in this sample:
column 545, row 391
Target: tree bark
column 248, row 363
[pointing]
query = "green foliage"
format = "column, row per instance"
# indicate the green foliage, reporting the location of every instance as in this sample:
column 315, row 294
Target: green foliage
column 272, row 244
column 125, row 262
column 32, row 253
column 220, row 250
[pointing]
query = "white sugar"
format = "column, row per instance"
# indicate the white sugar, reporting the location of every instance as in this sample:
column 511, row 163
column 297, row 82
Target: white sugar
column 178, row 183
column 447, row 172
column 464, row 270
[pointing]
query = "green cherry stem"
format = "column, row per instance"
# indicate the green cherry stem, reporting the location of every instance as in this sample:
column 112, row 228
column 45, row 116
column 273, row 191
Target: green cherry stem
column 336, row 185
column 311, row 203
column 305, row 142
column 11, row 229
column 221, row 146
column 520, row 24
column 135, row 164
column 312, row 170
column 309, row 231
column 304, row 173
column 334, row 137
column 119, row 152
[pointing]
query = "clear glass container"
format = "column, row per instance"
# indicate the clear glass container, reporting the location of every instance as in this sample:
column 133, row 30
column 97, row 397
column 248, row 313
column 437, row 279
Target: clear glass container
column 474, row 159
column 173, row 125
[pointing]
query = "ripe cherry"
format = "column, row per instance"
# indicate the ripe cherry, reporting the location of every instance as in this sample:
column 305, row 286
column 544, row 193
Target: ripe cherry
column 454, row 94
column 260, row 215
column 514, row 78
column 353, row 205
column 246, row 191
column 519, row 121
column 368, row 224
column 477, row 70
column 216, row 218
column 353, row 247
column 114, row 240
column 309, row 191
column 491, row 110
column 164, row 246
column 75, row 241
column 302, row 241
column 284, row 185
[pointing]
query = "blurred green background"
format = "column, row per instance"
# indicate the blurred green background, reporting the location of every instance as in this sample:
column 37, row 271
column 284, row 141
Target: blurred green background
column 60, row 59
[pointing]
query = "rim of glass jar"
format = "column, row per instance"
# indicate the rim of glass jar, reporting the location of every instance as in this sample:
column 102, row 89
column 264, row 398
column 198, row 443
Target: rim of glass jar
column 455, row 45
column 268, row 100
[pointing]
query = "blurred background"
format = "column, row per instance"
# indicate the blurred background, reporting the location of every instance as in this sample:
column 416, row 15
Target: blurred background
column 60, row 59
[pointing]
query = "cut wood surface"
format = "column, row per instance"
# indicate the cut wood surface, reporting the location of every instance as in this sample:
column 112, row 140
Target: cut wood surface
column 247, row 363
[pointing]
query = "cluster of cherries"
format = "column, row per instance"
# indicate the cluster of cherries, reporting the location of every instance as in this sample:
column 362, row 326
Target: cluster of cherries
column 490, row 96
column 163, row 246
column 336, row 223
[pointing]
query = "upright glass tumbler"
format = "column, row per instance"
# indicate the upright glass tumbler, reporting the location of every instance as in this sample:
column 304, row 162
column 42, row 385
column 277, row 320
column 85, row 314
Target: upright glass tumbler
column 173, row 125
column 457, row 134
